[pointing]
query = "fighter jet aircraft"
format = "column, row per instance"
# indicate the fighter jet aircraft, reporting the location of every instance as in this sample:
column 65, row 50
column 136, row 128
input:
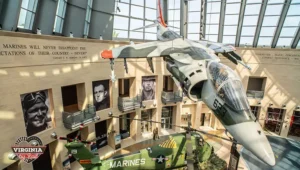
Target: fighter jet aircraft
column 196, row 69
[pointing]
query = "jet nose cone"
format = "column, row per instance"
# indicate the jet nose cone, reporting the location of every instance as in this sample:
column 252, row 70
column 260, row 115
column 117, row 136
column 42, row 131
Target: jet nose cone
column 269, row 159
column 252, row 137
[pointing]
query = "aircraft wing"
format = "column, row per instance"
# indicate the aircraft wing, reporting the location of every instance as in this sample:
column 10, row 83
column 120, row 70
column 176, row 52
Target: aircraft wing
column 144, row 50
column 226, row 50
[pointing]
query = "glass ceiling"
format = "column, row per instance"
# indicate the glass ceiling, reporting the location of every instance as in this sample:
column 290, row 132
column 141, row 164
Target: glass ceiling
column 224, row 22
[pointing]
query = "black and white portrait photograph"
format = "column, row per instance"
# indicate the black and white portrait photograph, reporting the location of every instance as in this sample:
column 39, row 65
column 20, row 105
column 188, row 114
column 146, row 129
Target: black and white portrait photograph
column 148, row 84
column 101, row 94
column 36, row 110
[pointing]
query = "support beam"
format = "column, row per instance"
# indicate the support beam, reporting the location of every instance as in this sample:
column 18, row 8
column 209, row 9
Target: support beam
column 75, row 18
column 222, row 19
column 204, row 14
column 259, row 23
column 284, row 12
column 296, row 39
column 183, row 17
column 240, row 23
column 165, row 11
column 9, row 16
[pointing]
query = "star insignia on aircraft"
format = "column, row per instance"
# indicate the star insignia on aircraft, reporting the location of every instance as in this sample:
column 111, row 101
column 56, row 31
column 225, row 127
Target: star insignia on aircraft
column 160, row 159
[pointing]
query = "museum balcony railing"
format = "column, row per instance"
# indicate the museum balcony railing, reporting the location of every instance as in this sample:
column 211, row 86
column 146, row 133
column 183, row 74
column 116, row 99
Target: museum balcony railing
column 255, row 94
column 128, row 104
column 171, row 97
column 75, row 119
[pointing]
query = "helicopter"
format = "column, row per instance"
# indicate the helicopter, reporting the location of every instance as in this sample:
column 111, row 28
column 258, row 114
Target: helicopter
column 181, row 150
column 196, row 69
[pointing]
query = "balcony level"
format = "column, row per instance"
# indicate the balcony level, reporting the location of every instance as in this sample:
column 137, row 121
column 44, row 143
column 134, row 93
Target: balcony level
column 73, row 120
column 171, row 97
column 128, row 104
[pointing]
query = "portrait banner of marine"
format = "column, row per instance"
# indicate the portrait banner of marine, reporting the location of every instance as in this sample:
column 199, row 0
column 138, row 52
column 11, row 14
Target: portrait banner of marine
column 28, row 149
column 36, row 110
column 101, row 94
column 148, row 88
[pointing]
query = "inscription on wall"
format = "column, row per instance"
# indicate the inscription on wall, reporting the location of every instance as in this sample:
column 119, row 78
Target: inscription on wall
column 56, row 52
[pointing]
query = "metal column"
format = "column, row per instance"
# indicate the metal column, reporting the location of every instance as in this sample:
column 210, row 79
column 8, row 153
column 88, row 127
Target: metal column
column 284, row 12
column 260, row 21
column 240, row 23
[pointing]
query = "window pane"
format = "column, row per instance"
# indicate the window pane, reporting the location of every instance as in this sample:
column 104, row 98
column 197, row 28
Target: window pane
column 120, row 34
column 231, row 19
column 232, row 8
column 150, row 14
column 174, row 24
column 137, row 11
column 212, row 18
column 152, row 29
column 284, row 42
column 121, row 22
column 250, row 20
column 60, row 8
column 25, row 4
column 174, row 4
column 193, row 36
column 294, row 10
column 136, row 23
column 137, row 2
column 246, row 40
column 85, row 28
column 275, row 1
column 288, row 32
column 270, row 21
column 254, row 1
column 151, row 4
column 22, row 17
column 273, row 10
column 124, row 9
column 194, row 17
column 229, row 1
column 295, row 1
column 213, row 7
column 213, row 38
column 264, row 41
column 248, row 31
column 193, row 27
column 58, row 24
column 292, row 21
column 194, row 5
column 149, row 36
column 230, row 30
column 229, row 39
column 28, row 20
column 252, row 9
column 31, row 5
column 212, row 29
column 267, row 31
column 174, row 15
column 136, row 35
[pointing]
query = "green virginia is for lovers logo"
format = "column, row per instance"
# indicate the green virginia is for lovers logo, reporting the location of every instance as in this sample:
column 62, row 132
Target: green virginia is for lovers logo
column 28, row 149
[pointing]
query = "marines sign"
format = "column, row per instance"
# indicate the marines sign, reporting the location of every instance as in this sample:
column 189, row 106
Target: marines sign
column 126, row 163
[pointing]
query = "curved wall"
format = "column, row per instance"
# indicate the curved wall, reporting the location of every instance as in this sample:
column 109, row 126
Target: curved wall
column 30, row 63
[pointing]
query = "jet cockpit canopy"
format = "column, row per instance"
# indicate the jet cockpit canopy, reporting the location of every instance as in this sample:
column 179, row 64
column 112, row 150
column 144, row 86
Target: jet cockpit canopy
column 228, row 86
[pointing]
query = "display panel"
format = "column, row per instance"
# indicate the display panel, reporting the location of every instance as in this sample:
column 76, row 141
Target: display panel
column 36, row 106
